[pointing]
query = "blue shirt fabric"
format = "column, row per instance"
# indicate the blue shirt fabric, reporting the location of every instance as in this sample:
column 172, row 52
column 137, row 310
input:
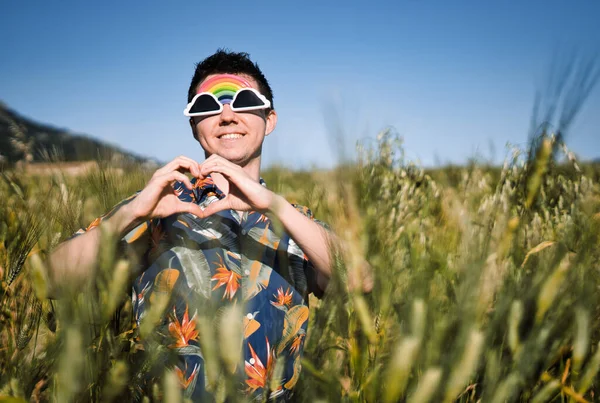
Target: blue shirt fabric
column 202, row 266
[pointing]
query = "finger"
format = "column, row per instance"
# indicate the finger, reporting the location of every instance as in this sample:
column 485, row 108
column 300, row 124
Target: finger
column 191, row 165
column 194, row 166
column 232, row 174
column 175, row 176
column 181, row 164
column 218, row 160
column 168, row 167
column 216, row 206
column 216, row 166
column 214, row 157
column 192, row 208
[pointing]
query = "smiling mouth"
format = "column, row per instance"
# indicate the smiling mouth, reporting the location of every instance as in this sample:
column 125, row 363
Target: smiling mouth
column 231, row 136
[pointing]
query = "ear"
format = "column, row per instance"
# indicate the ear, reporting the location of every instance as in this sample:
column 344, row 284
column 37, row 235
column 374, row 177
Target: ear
column 271, row 122
column 193, row 126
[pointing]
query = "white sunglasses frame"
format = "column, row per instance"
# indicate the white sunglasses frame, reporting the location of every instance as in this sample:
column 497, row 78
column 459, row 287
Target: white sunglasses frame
column 266, row 105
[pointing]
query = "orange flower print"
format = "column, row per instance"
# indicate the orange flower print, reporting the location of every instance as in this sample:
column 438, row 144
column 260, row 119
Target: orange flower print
column 141, row 230
column 261, row 217
column 181, row 375
column 142, row 294
column 282, row 299
column 94, row 223
column 293, row 320
column 251, row 325
column 295, row 347
column 183, row 331
column 228, row 278
column 179, row 190
column 268, row 239
column 257, row 373
column 203, row 183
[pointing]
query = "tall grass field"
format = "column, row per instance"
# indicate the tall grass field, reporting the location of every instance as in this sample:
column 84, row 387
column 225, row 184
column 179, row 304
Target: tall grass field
column 486, row 285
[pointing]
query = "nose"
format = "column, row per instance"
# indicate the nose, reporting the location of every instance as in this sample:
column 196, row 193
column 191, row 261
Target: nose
column 227, row 115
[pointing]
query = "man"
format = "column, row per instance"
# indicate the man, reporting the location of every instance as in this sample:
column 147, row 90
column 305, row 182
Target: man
column 220, row 239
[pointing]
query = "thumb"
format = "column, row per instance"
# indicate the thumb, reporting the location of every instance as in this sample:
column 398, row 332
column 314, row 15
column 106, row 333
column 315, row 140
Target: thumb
column 193, row 208
column 216, row 206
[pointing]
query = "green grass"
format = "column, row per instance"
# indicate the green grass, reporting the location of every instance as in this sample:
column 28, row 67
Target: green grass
column 486, row 286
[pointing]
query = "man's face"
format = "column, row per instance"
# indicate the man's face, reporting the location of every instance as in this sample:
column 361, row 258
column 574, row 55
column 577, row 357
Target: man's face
column 235, row 136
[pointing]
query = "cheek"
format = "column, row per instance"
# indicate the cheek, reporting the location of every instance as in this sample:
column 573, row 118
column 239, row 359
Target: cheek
column 255, row 122
column 204, row 127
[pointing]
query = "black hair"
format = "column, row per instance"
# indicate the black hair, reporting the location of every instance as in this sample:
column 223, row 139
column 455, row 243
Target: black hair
column 226, row 62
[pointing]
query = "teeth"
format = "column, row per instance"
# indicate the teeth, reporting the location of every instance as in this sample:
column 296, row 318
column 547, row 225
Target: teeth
column 231, row 136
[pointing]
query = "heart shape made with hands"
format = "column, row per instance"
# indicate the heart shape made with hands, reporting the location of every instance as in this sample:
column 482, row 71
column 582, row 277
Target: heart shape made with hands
column 242, row 192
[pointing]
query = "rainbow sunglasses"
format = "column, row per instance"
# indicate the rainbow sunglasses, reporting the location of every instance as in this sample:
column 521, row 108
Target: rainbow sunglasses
column 225, row 89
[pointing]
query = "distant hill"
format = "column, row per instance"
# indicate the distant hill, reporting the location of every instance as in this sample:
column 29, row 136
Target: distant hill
column 24, row 139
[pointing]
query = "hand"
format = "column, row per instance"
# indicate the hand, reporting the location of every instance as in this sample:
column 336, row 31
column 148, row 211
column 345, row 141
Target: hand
column 158, row 198
column 244, row 192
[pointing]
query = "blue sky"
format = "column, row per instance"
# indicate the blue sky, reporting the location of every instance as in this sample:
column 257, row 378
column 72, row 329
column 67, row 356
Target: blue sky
column 452, row 77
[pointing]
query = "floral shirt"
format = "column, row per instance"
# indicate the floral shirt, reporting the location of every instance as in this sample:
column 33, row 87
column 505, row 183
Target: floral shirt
column 204, row 265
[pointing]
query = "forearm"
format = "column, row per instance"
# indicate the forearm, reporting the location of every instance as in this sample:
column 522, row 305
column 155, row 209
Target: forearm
column 318, row 243
column 73, row 262
column 314, row 240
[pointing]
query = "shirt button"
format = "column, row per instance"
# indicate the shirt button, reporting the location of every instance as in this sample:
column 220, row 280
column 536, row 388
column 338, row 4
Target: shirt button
column 244, row 231
column 250, row 316
column 252, row 361
column 247, row 272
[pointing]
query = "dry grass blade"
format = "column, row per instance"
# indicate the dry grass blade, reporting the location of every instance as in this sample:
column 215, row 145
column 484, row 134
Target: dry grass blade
column 400, row 367
column 590, row 372
column 551, row 288
column 427, row 386
column 535, row 250
column 581, row 340
column 464, row 369
column 547, row 392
